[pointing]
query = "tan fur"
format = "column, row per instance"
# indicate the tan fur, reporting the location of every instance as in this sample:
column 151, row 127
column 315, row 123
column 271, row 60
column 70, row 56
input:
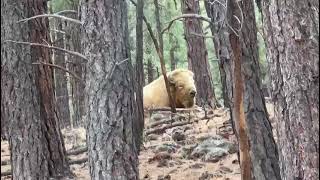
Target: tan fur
column 181, row 84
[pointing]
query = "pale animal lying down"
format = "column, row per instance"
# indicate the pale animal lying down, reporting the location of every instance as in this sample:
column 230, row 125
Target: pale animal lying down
column 181, row 83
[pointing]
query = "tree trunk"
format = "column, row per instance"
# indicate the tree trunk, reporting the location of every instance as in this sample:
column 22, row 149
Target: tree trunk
column 264, row 161
column 150, row 71
column 37, row 147
column 60, row 78
column 263, row 153
column 139, row 74
column 158, row 23
column 111, row 101
column 159, row 48
column 77, row 66
column 150, row 65
column 4, row 120
column 198, row 55
column 174, row 46
column 292, row 38
column 223, row 49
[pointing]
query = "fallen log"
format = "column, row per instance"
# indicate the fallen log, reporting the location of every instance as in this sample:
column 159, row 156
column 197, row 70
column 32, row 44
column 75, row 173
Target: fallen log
column 171, row 125
column 167, row 121
column 168, row 109
column 78, row 151
column 157, row 123
column 69, row 153
column 78, row 161
column 5, row 162
column 162, row 129
column 6, row 173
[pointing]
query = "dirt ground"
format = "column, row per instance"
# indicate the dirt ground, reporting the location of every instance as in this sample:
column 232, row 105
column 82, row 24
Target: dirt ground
column 173, row 165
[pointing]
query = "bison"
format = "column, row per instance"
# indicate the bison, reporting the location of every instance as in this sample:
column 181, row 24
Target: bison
column 182, row 85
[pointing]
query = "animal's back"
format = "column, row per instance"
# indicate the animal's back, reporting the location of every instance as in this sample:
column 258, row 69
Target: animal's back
column 155, row 94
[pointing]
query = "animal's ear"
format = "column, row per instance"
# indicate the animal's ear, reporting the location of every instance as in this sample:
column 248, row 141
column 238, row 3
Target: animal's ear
column 191, row 73
column 171, row 78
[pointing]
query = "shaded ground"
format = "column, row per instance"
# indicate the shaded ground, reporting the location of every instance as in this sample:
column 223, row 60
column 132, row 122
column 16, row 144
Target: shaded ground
column 182, row 152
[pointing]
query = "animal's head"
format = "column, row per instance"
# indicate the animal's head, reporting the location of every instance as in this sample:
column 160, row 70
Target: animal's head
column 182, row 84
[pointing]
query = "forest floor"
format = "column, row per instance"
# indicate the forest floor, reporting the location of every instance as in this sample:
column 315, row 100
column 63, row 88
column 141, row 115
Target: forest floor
column 196, row 148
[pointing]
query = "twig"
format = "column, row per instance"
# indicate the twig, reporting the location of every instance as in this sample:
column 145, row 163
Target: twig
column 201, row 35
column 61, row 68
column 51, row 15
column 50, row 47
column 59, row 31
column 66, row 11
column 186, row 16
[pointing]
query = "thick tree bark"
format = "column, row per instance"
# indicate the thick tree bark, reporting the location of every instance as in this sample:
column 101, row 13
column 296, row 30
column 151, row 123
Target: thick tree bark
column 263, row 153
column 139, row 74
column 37, row 148
column 111, row 101
column 259, row 131
column 198, row 55
column 60, row 78
column 291, row 31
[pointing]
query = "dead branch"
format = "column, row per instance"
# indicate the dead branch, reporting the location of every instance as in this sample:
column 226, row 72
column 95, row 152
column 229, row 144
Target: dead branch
column 168, row 109
column 197, row 16
column 6, row 173
column 5, row 162
column 78, row 151
column 58, row 31
column 201, row 35
column 66, row 12
column 50, row 47
column 78, row 161
column 61, row 68
column 51, row 15
column 162, row 129
column 161, row 58
column 165, row 121
column 116, row 65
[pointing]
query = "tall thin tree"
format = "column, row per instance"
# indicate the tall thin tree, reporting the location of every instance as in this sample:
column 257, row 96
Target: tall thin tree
column 237, row 51
column 198, row 54
column 36, row 143
column 139, row 73
column 73, row 43
column 291, row 32
column 111, row 112
column 60, row 77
